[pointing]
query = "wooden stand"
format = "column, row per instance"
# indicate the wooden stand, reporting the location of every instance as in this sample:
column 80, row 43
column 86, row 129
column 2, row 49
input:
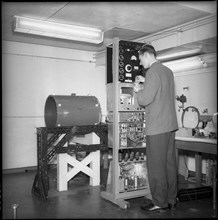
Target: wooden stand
column 63, row 175
column 52, row 141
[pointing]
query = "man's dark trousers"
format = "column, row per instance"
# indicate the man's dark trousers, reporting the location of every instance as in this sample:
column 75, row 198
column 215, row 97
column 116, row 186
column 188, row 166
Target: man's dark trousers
column 162, row 168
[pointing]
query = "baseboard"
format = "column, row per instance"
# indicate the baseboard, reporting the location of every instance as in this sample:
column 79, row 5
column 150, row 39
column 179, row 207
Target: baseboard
column 19, row 170
column 26, row 169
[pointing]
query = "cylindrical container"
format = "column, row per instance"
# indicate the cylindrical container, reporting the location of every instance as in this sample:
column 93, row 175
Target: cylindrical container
column 126, row 183
column 63, row 110
column 121, row 181
column 135, row 181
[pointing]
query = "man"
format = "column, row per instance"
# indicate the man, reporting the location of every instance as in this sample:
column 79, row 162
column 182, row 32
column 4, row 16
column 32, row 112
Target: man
column 158, row 97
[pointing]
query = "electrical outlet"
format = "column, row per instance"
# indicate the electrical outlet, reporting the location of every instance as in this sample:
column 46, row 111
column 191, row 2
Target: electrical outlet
column 186, row 88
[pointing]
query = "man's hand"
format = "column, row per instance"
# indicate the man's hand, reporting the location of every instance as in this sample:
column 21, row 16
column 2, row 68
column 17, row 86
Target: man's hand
column 139, row 79
column 137, row 87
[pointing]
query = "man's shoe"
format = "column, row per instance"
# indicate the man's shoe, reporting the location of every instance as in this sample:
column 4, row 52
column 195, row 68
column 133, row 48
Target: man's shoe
column 146, row 207
column 172, row 207
column 153, row 208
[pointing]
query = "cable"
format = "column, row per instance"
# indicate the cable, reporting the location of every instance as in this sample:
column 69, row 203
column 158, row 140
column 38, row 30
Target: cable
column 186, row 164
column 58, row 10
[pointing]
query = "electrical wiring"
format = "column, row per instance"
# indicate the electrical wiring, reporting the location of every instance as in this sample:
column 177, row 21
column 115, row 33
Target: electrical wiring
column 137, row 137
column 185, row 161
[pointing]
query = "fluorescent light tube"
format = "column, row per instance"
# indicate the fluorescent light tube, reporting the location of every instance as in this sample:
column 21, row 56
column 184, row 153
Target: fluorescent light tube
column 57, row 30
column 210, row 58
column 173, row 55
column 186, row 64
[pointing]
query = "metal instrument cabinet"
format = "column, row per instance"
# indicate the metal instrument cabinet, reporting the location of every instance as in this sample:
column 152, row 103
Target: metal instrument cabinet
column 126, row 137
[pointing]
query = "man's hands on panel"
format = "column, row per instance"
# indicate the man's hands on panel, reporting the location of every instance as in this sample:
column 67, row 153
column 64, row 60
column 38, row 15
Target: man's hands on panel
column 138, row 85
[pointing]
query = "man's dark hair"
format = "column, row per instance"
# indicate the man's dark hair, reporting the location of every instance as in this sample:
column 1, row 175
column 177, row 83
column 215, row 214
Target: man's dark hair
column 147, row 48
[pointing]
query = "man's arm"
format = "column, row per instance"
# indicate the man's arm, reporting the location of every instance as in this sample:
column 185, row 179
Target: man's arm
column 151, row 85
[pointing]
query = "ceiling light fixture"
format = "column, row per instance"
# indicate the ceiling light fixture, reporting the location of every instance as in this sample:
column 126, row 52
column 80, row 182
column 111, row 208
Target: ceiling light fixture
column 57, row 30
column 186, row 64
column 173, row 54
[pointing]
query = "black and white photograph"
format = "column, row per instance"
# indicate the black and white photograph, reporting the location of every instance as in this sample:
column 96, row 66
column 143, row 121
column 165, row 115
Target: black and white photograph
column 109, row 110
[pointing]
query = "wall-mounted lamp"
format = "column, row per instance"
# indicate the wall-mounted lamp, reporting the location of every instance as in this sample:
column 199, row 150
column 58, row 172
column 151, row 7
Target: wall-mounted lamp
column 57, row 30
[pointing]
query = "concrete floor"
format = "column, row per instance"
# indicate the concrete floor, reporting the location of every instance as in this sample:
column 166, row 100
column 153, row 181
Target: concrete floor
column 83, row 201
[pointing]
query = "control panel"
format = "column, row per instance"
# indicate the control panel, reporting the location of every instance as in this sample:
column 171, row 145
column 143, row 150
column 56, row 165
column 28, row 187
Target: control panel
column 132, row 132
column 129, row 64
column 127, row 97
column 131, row 149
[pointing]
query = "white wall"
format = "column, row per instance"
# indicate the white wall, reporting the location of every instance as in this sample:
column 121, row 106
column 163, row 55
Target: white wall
column 202, row 94
column 202, row 84
column 30, row 73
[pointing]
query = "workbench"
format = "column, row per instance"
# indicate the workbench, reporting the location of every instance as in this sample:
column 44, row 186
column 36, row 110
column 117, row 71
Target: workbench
column 199, row 146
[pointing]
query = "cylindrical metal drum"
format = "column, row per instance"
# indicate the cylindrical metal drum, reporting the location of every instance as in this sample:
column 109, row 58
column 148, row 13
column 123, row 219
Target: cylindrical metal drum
column 62, row 110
